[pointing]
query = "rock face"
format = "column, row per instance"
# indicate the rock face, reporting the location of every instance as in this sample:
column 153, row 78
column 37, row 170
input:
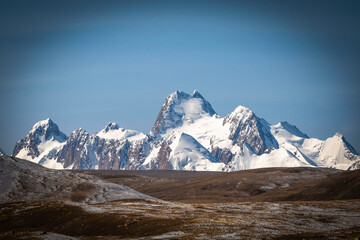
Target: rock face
column 41, row 143
column 74, row 151
column 187, row 135
column 246, row 128
column 180, row 107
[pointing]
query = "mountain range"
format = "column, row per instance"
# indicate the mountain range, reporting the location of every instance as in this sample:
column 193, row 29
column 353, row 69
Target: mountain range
column 187, row 135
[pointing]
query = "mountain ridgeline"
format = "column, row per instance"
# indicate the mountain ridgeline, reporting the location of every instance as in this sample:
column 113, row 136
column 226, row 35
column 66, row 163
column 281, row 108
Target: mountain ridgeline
column 187, row 135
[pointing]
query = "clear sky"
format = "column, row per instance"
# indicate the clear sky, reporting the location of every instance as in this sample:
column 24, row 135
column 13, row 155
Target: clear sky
column 86, row 63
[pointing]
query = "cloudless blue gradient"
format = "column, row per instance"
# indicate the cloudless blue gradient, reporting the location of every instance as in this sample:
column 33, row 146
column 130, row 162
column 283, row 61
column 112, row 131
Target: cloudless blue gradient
column 85, row 63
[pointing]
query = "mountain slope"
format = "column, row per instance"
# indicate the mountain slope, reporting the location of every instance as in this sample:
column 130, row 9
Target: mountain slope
column 21, row 180
column 258, row 185
column 189, row 154
column 179, row 108
column 41, row 144
column 246, row 127
column 187, row 134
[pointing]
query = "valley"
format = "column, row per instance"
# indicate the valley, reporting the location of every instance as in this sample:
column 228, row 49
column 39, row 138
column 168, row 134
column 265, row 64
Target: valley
column 268, row 203
column 256, row 185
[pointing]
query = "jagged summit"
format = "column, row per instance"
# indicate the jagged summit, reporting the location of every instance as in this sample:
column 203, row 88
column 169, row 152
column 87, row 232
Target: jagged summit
column 239, row 115
column 111, row 126
column 196, row 94
column 243, row 110
column 178, row 97
column 113, row 131
column 78, row 131
column 339, row 135
column 180, row 107
column 46, row 126
column 40, row 141
column 246, row 128
column 44, row 122
column 48, row 129
column 347, row 145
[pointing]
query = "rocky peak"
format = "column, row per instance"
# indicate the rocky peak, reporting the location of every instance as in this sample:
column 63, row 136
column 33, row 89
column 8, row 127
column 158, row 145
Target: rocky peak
column 336, row 151
column 340, row 137
column 177, row 95
column 41, row 132
column 196, row 93
column 47, row 129
column 42, row 123
column 180, row 107
column 246, row 128
column 111, row 126
column 240, row 114
column 78, row 133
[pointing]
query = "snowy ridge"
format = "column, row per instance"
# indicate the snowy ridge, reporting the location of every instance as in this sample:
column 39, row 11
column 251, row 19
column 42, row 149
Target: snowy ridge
column 187, row 135
column 113, row 131
column 292, row 129
column 189, row 154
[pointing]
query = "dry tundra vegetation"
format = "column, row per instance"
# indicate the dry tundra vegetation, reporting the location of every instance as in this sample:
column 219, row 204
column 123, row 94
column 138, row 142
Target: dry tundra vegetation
column 273, row 203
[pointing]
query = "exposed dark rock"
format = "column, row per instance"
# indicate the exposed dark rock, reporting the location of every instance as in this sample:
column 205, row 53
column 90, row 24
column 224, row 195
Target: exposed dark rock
column 42, row 131
column 246, row 127
column 163, row 157
column 223, row 155
column 71, row 153
column 170, row 116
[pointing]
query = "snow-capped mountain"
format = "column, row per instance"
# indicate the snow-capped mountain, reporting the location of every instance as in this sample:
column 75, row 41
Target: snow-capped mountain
column 41, row 144
column 181, row 108
column 187, row 135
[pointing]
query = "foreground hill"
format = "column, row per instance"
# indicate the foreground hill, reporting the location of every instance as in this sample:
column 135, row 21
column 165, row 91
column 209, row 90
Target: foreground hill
column 187, row 135
column 21, row 180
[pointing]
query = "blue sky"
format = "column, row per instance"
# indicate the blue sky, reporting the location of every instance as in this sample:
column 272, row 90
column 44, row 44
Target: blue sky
column 86, row 63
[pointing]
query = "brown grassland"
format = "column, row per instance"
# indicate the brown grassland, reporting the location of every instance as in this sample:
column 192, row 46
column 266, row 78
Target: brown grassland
column 273, row 203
